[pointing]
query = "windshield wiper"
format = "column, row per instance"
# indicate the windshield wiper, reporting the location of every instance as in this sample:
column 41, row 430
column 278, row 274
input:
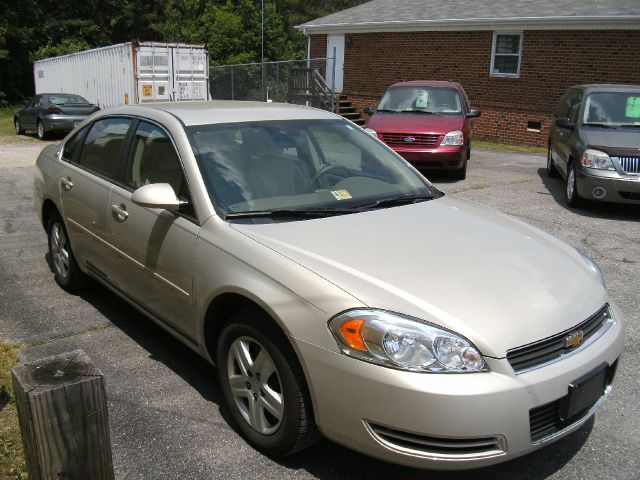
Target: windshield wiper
column 603, row 125
column 395, row 201
column 423, row 112
column 387, row 110
column 289, row 213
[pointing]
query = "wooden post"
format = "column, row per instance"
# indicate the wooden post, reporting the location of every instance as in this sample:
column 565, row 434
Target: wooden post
column 62, row 408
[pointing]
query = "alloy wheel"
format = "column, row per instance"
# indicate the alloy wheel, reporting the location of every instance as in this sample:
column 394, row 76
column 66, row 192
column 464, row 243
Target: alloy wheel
column 571, row 183
column 255, row 385
column 60, row 251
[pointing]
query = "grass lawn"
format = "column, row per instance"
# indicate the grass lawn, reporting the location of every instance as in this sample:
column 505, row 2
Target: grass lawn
column 510, row 148
column 6, row 121
column 11, row 454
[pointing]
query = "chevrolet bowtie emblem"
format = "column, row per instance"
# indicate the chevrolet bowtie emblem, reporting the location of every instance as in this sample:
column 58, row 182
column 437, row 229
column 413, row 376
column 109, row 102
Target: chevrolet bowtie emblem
column 574, row 339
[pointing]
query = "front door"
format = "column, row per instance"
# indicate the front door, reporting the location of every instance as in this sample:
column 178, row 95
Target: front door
column 154, row 247
column 335, row 50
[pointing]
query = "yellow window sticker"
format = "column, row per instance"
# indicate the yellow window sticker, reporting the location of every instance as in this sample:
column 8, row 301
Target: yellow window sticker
column 633, row 107
column 341, row 194
column 147, row 90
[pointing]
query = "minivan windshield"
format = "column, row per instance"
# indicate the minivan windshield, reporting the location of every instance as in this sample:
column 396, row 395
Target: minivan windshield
column 440, row 100
column 612, row 109
column 301, row 169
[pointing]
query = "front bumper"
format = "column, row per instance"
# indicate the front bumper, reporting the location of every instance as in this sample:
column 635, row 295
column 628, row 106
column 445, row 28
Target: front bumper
column 62, row 123
column 438, row 158
column 375, row 409
column 618, row 187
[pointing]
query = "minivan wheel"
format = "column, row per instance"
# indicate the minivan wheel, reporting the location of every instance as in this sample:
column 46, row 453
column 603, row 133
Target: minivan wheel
column 65, row 269
column 461, row 173
column 263, row 385
column 552, row 171
column 41, row 134
column 572, row 197
column 19, row 129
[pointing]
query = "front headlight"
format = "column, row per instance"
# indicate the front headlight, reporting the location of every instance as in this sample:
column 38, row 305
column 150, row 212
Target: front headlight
column 404, row 343
column 597, row 159
column 593, row 266
column 453, row 138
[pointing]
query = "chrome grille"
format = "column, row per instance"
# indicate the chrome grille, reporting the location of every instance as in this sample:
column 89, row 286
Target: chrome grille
column 546, row 351
column 409, row 139
column 630, row 164
column 438, row 445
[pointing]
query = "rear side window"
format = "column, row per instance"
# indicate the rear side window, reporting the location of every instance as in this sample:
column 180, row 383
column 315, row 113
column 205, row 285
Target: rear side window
column 102, row 150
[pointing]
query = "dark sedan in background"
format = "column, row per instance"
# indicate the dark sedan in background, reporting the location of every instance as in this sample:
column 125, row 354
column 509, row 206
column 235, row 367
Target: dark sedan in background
column 52, row 112
column 594, row 143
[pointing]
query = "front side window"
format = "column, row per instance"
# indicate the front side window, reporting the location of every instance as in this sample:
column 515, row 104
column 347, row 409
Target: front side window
column 154, row 160
column 102, row 150
column 616, row 109
column 441, row 100
column 294, row 164
column 506, row 54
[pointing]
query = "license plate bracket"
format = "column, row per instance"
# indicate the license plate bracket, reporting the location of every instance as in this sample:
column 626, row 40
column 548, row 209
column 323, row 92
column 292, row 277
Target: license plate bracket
column 584, row 392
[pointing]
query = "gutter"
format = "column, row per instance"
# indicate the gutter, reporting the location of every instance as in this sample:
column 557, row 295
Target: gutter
column 611, row 22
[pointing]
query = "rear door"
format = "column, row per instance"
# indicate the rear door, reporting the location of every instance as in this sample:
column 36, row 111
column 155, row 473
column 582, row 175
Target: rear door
column 154, row 246
column 91, row 168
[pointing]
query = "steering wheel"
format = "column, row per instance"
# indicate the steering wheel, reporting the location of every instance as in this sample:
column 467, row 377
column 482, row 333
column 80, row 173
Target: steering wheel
column 324, row 170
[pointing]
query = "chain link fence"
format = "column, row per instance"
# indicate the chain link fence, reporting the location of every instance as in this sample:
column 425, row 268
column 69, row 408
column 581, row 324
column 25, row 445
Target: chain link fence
column 283, row 81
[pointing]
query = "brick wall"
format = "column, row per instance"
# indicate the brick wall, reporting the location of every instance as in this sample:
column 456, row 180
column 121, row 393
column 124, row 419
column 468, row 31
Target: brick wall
column 552, row 61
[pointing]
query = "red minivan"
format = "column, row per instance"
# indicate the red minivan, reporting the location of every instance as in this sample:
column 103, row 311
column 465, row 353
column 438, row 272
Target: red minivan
column 428, row 123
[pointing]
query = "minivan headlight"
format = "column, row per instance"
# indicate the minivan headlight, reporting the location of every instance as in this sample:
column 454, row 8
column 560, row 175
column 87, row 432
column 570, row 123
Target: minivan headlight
column 597, row 159
column 453, row 138
column 404, row 343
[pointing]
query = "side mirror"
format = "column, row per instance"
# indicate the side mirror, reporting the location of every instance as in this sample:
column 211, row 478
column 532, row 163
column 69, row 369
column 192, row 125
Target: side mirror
column 564, row 122
column 369, row 110
column 473, row 113
column 156, row 195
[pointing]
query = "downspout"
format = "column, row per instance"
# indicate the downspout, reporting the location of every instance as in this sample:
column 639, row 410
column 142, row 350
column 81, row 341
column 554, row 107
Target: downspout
column 308, row 47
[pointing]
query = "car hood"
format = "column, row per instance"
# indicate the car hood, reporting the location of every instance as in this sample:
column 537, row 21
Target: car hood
column 496, row 280
column 621, row 141
column 414, row 123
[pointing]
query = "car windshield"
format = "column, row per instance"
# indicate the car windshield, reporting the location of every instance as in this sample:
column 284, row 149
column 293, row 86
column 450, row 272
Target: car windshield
column 66, row 99
column 295, row 166
column 612, row 108
column 441, row 100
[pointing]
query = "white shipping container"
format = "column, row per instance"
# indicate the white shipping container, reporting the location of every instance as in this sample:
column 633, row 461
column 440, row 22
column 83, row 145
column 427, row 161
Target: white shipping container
column 128, row 73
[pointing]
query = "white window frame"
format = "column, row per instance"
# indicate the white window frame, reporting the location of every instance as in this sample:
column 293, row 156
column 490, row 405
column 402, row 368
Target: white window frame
column 493, row 54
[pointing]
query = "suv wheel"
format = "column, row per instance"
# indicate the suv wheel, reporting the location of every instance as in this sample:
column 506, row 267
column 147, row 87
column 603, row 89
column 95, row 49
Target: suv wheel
column 552, row 171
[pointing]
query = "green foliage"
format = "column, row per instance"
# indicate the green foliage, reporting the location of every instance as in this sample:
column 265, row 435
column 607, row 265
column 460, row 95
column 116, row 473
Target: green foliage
column 35, row 29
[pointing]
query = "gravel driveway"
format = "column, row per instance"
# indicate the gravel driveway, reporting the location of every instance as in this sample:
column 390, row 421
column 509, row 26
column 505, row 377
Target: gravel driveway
column 164, row 402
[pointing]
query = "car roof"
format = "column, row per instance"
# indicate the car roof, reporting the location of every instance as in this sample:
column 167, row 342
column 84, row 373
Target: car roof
column 426, row 83
column 608, row 87
column 226, row 111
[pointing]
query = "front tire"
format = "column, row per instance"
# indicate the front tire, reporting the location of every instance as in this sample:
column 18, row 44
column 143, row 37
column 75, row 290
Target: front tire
column 552, row 171
column 263, row 385
column 61, row 259
column 461, row 173
column 573, row 199
column 40, row 132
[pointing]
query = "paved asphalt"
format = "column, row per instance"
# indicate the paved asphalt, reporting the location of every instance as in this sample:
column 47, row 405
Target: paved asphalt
column 165, row 404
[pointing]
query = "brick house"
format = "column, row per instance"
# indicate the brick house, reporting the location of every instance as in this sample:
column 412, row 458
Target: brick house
column 514, row 58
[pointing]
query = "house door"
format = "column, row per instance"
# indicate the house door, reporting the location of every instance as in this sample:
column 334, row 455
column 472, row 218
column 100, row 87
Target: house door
column 337, row 42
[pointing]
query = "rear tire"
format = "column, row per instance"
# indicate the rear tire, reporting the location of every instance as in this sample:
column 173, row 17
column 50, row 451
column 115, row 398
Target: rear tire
column 61, row 259
column 263, row 385
column 552, row 171
column 573, row 199
column 19, row 129
column 40, row 132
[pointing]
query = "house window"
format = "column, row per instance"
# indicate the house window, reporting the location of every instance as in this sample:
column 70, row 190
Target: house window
column 506, row 54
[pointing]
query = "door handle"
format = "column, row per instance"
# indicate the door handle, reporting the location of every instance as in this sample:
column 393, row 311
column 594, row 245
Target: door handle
column 119, row 212
column 67, row 184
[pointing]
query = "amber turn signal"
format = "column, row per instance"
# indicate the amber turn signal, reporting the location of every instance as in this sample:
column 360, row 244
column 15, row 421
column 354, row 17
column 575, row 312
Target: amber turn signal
column 351, row 331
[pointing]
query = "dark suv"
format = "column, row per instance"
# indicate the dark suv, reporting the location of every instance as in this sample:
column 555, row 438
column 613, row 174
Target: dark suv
column 594, row 143
column 427, row 123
